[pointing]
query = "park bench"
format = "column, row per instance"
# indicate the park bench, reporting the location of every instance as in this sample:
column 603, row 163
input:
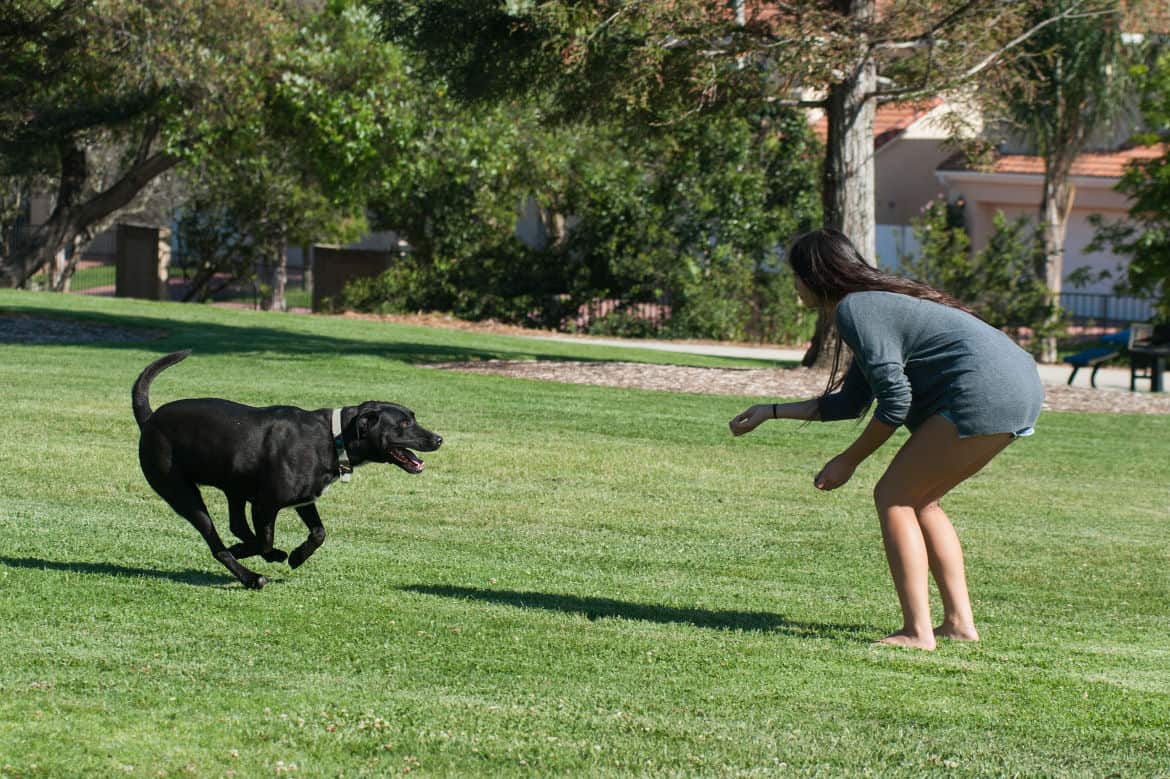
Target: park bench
column 1149, row 351
column 1090, row 358
column 1097, row 356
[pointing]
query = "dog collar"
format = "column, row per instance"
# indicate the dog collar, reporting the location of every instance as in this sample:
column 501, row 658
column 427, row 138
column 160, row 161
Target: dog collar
column 343, row 466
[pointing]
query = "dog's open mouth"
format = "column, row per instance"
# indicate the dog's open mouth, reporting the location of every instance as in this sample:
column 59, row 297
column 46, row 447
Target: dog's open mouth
column 406, row 460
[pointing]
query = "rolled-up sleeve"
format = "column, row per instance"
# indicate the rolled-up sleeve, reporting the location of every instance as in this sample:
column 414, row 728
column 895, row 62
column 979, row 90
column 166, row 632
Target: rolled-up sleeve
column 891, row 388
column 878, row 356
column 848, row 402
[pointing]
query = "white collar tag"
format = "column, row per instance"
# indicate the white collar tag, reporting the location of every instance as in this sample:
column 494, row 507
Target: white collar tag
column 343, row 466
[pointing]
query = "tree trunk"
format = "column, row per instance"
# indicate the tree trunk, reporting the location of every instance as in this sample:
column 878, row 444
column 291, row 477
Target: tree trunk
column 58, row 272
column 274, row 280
column 847, row 177
column 72, row 217
column 1055, row 206
column 307, row 262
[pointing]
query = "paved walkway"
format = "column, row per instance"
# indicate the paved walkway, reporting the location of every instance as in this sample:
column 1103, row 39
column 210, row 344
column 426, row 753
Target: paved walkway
column 1107, row 378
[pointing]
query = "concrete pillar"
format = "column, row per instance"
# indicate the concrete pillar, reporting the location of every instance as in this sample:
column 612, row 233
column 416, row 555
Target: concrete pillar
column 143, row 258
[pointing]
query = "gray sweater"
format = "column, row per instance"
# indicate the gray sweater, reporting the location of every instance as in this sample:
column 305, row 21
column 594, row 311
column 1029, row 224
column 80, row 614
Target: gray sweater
column 917, row 358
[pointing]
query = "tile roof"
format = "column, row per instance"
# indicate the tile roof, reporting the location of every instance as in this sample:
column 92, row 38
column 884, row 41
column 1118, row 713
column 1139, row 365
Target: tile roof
column 889, row 121
column 1151, row 17
column 1088, row 164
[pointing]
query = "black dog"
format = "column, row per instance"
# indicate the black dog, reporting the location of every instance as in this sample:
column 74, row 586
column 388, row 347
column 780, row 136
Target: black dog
column 272, row 457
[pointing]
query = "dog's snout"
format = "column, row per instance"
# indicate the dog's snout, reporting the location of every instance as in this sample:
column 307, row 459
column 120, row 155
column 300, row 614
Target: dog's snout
column 438, row 440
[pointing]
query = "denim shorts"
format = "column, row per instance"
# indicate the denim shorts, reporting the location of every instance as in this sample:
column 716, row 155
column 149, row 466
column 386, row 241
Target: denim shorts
column 1024, row 433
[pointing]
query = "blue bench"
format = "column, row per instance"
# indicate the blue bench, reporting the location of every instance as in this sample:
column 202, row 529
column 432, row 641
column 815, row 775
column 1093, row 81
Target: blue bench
column 1090, row 358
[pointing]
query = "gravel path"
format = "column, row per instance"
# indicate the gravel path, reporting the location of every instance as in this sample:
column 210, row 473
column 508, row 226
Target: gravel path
column 24, row 329
column 752, row 382
column 771, row 383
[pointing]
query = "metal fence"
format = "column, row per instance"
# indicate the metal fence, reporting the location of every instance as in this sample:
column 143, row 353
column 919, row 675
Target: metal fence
column 91, row 277
column 1105, row 310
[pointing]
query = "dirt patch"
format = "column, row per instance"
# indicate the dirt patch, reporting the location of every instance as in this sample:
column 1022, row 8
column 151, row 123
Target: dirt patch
column 23, row 329
column 763, row 383
column 767, row 383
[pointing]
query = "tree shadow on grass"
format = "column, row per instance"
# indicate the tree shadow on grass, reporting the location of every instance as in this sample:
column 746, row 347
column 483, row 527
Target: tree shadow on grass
column 603, row 608
column 293, row 339
column 217, row 338
column 192, row 577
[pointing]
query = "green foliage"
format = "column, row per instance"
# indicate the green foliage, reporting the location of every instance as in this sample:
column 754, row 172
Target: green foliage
column 999, row 282
column 1145, row 237
column 300, row 169
column 100, row 97
column 1068, row 80
column 693, row 217
column 647, row 63
column 697, row 217
column 450, row 184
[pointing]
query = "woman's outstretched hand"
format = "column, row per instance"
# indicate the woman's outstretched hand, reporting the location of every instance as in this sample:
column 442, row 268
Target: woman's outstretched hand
column 750, row 419
column 835, row 473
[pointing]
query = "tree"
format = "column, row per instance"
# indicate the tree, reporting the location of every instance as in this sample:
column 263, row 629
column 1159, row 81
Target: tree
column 451, row 188
column 101, row 97
column 301, row 168
column 998, row 282
column 1145, row 236
column 696, row 216
column 1067, row 83
column 653, row 63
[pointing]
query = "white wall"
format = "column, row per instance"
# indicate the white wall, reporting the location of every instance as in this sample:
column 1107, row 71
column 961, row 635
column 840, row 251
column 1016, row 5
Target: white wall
column 894, row 242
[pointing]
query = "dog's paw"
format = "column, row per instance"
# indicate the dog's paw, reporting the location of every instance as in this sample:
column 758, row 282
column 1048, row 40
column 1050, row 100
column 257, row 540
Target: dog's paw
column 275, row 556
column 256, row 583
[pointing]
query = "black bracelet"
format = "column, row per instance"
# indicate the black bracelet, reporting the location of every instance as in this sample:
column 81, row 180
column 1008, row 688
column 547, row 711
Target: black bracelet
column 774, row 411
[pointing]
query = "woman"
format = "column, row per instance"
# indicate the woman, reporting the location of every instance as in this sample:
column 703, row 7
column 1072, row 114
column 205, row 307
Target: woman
column 962, row 388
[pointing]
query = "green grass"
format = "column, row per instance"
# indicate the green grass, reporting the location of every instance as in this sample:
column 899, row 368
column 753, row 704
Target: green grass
column 584, row 581
column 83, row 278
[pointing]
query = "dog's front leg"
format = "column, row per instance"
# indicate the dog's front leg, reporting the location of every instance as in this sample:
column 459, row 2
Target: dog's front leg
column 250, row 544
column 316, row 537
column 264, row 520
column 238, row 521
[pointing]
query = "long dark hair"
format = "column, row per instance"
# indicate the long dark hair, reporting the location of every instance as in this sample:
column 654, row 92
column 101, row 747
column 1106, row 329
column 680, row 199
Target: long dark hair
column 831, row 267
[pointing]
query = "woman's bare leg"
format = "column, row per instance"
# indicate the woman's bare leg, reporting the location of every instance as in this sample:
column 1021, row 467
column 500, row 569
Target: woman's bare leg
column 906, row 554
column 918, row 535
column 946, row 565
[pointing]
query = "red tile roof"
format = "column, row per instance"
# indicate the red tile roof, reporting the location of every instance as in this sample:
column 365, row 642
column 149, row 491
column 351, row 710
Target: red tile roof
column 1150, row 17
column 1089, row 164
column 890, row 120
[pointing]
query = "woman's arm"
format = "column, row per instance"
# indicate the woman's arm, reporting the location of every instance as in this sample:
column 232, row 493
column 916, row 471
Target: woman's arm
column 762, row 412
column 838, row 470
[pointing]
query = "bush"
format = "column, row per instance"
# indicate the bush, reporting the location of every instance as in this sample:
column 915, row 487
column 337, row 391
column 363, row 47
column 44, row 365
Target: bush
column 999, row 282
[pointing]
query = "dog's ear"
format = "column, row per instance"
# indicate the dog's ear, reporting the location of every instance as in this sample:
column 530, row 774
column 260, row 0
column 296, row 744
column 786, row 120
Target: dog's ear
column 364, row 422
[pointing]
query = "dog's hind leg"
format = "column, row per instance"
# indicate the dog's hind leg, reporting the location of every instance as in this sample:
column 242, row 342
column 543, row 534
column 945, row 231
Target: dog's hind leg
column 312, row 520
column 186, row 500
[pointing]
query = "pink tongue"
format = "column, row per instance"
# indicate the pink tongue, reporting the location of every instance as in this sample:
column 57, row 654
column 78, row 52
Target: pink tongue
column 404, row 456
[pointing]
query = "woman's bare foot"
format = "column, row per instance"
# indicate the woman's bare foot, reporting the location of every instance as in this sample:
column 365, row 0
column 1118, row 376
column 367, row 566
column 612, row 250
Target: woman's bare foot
column 957, row 632
column 909, row 640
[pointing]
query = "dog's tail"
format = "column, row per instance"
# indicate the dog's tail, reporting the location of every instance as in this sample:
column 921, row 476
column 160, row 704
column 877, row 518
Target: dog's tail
column 140, row 394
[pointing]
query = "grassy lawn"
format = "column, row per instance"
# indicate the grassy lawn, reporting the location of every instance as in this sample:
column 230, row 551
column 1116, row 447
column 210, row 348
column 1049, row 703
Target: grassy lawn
column 584, row 581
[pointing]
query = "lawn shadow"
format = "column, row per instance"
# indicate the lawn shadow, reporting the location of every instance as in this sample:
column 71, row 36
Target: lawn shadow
column 603, row 608
column 192, row 577
column 294, row 341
